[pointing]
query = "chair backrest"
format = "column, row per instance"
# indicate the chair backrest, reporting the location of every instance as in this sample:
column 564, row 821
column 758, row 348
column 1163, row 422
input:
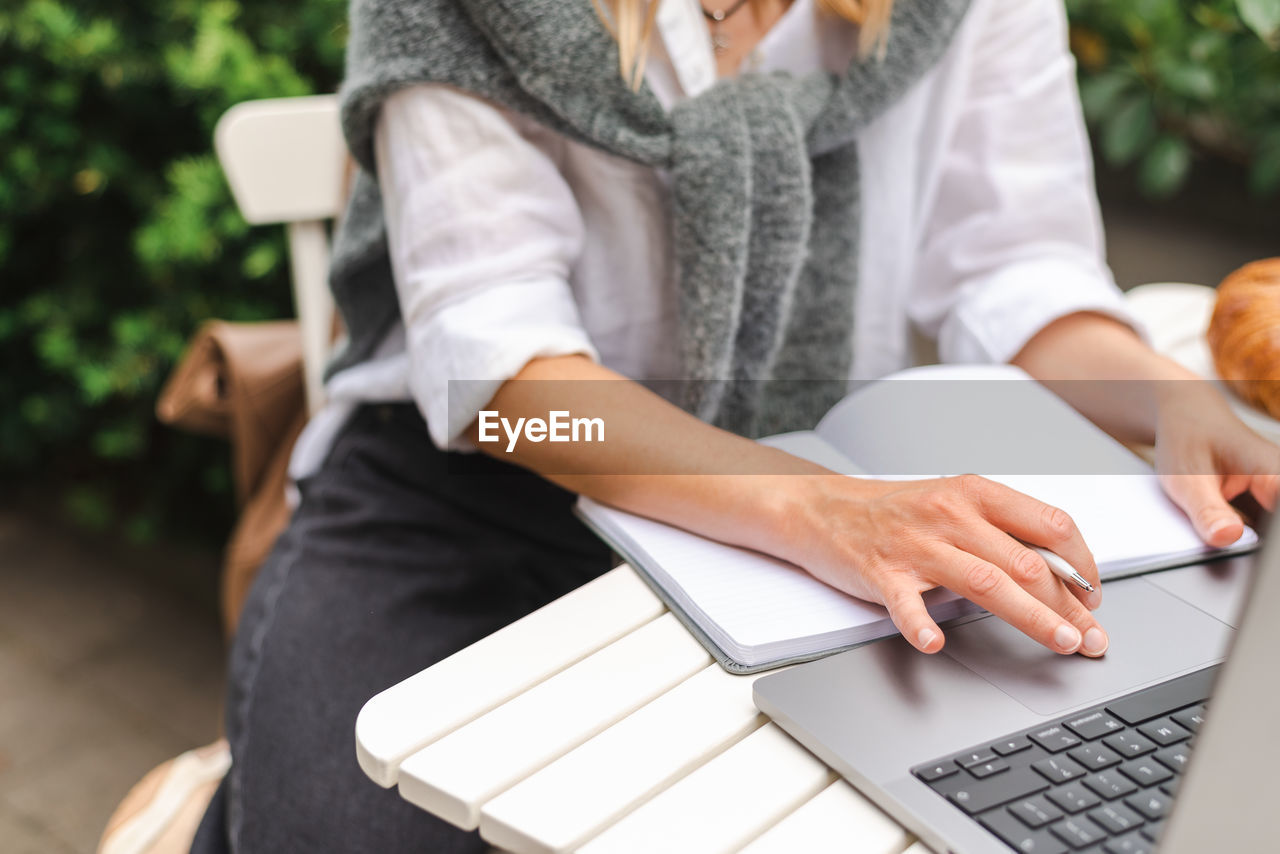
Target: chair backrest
column 285, row 161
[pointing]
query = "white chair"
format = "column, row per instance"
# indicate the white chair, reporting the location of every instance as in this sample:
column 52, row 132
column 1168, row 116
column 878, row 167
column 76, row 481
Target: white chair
column 285, row 161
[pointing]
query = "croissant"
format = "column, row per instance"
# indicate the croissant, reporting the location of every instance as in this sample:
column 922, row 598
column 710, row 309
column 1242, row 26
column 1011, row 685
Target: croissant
column 1244, row 333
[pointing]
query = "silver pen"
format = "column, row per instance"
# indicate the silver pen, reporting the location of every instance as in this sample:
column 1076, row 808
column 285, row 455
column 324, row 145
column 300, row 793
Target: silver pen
column 1060, row 567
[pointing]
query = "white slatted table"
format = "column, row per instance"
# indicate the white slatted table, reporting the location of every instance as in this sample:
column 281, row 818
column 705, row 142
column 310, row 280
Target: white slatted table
column 598, row 724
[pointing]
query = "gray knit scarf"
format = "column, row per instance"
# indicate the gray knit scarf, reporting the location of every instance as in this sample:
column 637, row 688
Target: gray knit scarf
column 764, row 176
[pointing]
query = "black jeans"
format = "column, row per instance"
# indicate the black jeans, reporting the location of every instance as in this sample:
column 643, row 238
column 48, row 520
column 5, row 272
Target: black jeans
column 398, row 556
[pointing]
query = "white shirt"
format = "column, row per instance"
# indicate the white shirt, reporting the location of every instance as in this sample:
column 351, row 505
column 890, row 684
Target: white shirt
column 510, row 242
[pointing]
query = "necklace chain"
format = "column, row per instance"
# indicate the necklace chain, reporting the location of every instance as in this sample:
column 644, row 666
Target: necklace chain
column 723, row 14
column 719, row 41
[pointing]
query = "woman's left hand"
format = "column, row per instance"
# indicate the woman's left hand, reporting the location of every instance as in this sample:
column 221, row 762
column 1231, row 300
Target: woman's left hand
column 1206, row 457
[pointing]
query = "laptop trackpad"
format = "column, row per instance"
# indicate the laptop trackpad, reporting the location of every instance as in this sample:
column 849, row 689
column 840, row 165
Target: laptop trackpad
column 1153, row 635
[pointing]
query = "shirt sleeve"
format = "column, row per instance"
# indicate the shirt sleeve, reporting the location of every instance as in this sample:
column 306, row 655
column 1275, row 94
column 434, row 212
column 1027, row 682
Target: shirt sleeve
column 483, row 232
column 1012, row 237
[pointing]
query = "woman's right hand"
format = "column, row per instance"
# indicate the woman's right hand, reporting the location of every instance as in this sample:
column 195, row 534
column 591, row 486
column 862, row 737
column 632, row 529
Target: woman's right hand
column 890, row 541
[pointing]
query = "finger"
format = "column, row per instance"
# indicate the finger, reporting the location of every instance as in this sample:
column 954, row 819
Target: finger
column 1031, row 572
column 987, row 585
column 1200, row 497
column 906, row 608
column 1264, row 482
column 1040, row 524
column 1265, row 488
column 1232, row 486
column 1252, row 465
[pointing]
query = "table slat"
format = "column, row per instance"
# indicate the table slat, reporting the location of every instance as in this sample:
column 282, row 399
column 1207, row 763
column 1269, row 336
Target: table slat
column 414, row 713
column 623, row 766
column 837, row 812
column 458, row 773
column 723, row 804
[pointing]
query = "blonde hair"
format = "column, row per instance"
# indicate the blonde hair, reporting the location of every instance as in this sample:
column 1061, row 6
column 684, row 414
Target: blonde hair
column 631, row 23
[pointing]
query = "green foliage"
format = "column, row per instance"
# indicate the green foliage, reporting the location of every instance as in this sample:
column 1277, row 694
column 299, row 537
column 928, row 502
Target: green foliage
column 118, row 234
column 1166, row 82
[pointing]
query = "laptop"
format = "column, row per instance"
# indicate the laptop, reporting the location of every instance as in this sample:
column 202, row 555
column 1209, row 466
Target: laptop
column 996, row 744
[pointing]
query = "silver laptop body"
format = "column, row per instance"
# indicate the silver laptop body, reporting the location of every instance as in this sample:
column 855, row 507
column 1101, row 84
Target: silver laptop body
column 877, row 712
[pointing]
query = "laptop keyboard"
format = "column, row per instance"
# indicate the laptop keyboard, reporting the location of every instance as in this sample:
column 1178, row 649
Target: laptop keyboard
column 1099, row 780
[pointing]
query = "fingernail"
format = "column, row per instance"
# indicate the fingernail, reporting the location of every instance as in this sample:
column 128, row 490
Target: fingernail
column 1096, row 641
column 926, row 637
column 1218, row 527
column 1067, row 637
column 1093, row 601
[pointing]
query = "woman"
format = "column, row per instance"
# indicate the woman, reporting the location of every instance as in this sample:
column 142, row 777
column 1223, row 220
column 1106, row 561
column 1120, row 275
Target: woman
column 769, row 192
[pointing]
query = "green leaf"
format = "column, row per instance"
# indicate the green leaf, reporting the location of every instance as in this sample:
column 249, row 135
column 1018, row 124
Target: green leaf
column 132, row 331
column 1099, row 93
column 57, row 347
column 96, row 382
column 1264, row 176
column 1192, row 81
column 119, row 441
column 140, row 529
column 1165, row 167
column 1129, row 130
column 35, row 411
column 89, row 507
column 1263, row 17
column 9, row 117
column 1205, row 44
column 260, row 260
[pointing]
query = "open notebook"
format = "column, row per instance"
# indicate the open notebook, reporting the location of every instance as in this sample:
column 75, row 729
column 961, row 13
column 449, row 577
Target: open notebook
column 754, row 611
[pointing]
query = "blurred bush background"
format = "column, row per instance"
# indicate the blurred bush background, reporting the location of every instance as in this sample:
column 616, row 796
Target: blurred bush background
column 1166, row 83
column 118, row 234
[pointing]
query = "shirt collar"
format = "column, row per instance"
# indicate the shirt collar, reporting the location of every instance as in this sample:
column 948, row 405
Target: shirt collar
column 687, row 42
